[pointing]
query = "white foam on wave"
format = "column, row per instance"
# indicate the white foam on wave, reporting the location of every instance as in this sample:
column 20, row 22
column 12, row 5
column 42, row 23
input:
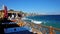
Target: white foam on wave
column 33, row 21
column 26, row 18
column 36, row 22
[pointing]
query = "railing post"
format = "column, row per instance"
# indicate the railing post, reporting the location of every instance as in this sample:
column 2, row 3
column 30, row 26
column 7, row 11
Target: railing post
column 51, row 30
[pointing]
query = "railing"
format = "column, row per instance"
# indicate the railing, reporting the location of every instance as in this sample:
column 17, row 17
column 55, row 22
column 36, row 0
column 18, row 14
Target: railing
column 44, row 29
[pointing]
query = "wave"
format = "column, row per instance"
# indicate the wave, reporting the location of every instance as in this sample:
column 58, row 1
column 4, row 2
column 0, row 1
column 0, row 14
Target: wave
column 36, row 22
column 26, row 18
column 33, row 21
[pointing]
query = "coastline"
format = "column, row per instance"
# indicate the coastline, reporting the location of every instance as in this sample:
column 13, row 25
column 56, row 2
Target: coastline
column 48, row 20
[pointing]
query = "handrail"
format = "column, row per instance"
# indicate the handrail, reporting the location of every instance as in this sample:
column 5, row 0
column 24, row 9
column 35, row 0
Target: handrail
column 51, row 29
column 47, row 27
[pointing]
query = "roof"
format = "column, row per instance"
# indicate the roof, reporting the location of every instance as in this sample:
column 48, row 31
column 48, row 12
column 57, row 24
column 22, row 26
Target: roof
column 13, row 12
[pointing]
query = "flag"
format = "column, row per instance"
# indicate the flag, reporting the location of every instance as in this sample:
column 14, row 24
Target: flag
column 5, row 12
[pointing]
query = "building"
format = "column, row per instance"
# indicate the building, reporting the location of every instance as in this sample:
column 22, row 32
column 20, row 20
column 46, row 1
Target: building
column 13, row 14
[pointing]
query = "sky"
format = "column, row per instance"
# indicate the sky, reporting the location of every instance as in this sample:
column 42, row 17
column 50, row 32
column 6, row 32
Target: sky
column 33, row 6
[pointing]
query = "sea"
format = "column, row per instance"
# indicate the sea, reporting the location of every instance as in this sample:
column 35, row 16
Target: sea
column 46, row 20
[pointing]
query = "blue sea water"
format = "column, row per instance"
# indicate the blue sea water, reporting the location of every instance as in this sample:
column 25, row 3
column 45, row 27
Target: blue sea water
column 47, row 20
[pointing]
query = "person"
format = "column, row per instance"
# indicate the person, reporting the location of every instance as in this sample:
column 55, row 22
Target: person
column 20, row 15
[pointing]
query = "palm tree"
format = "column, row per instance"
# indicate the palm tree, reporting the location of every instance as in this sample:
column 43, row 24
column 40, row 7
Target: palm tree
column 11, row 10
